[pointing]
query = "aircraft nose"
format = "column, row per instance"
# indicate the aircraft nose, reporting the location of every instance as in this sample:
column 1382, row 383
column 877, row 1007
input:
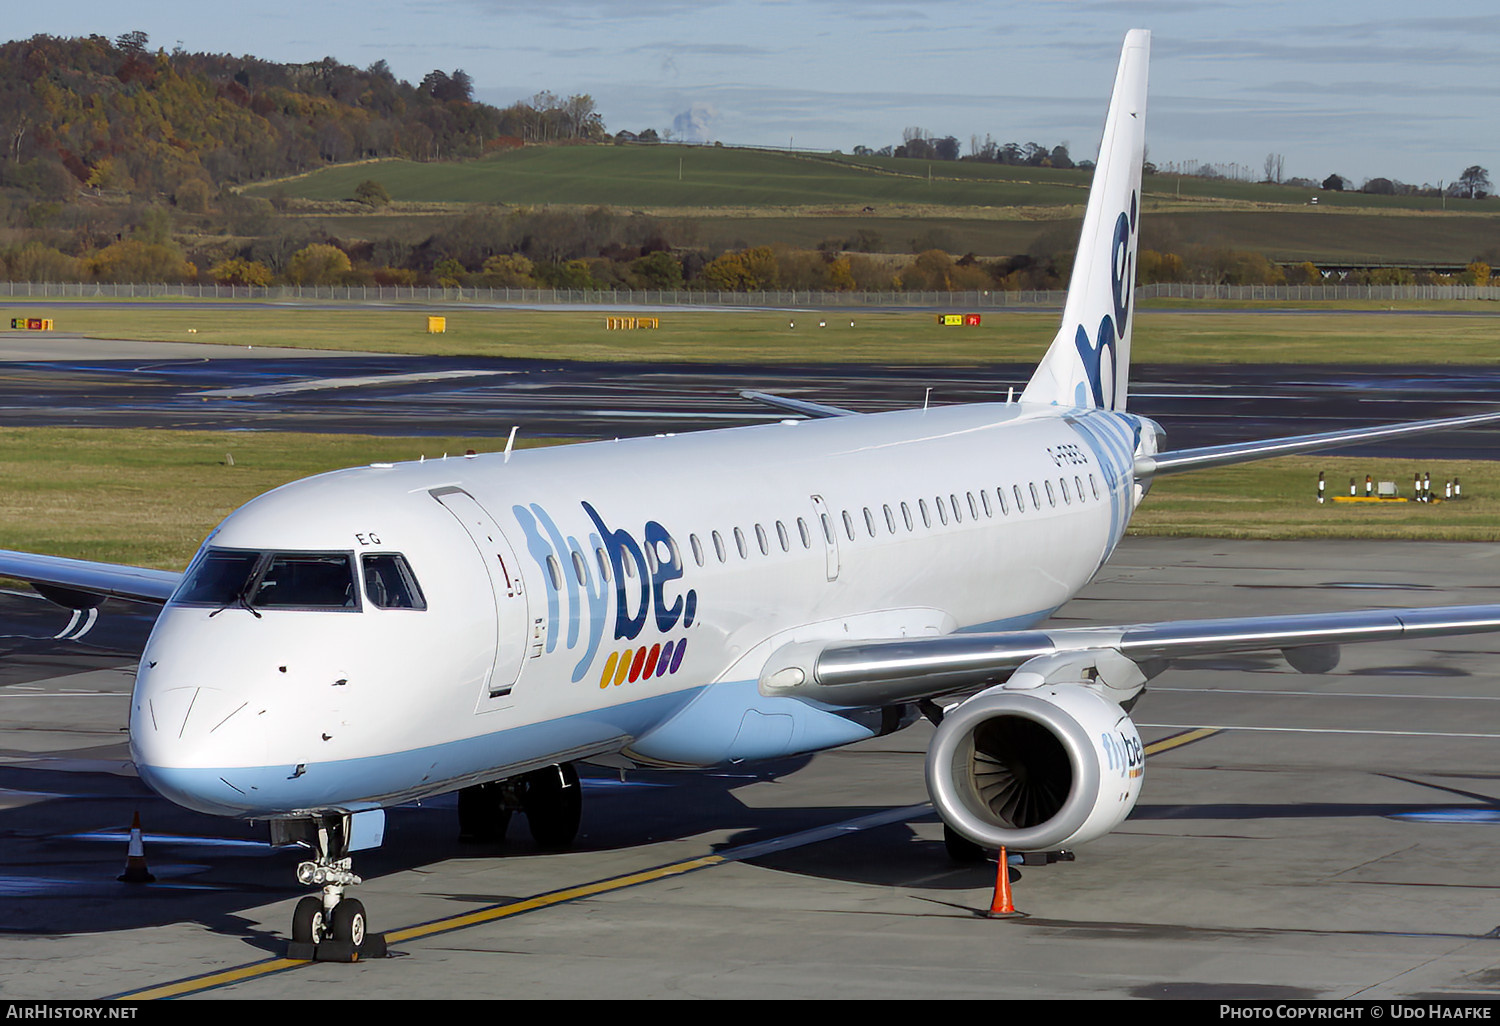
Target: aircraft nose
column 186, row 713
column 181, row 737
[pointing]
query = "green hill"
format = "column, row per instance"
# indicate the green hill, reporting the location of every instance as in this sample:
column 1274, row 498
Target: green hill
column 678, row 176
column 726, row 197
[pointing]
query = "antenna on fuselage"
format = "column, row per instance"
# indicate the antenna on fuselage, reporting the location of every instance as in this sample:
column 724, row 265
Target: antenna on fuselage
column 511, row 441
column 925, row 398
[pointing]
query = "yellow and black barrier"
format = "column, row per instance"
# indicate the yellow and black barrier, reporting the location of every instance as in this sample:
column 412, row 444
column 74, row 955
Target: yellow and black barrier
column 630, row 323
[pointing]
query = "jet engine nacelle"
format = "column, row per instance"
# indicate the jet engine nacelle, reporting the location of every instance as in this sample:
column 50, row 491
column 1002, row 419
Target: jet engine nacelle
column 1035, row 770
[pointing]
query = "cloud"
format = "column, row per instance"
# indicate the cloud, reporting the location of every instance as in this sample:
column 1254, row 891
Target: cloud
column 696, row 123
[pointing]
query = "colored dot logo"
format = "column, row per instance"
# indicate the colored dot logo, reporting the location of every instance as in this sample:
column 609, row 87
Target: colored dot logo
column 642, row 663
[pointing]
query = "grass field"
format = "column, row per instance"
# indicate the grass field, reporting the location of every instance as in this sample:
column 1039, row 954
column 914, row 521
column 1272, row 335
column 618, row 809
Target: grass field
column 1278, row 499
column 728, row 197
column 148, row 498
column 1456, row 333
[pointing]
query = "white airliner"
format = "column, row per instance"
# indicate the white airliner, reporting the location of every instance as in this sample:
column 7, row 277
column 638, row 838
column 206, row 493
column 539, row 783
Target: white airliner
column 372, row 636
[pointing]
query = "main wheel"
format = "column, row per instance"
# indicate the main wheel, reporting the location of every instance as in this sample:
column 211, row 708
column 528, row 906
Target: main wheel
column 309, row 925
column 553, row 802
column 348, row 922
column 482, row 815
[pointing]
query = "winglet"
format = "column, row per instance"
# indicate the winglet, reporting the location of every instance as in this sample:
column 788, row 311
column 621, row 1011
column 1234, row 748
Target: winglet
column 1088, row 363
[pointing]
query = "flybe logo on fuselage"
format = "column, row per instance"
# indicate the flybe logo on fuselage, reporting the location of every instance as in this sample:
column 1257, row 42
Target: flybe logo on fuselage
column 1113, row 325
column 641, row 581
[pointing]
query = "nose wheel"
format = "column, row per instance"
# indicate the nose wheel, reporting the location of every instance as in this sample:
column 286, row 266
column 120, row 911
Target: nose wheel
column 329, row 927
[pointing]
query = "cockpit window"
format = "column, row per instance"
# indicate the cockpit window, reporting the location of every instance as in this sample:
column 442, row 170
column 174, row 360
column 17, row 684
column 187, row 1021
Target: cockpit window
column 271, row 580
column 307, row 580
column 390, row 584
column 219, row 579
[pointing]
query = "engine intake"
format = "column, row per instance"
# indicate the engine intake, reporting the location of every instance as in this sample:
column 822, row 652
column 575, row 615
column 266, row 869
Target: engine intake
column 1035, row 770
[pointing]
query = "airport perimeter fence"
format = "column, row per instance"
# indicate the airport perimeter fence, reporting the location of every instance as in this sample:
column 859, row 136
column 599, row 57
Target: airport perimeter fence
column 952, row 301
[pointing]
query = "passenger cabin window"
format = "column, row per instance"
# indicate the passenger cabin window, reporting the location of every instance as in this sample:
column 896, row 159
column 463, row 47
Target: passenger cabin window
column 697, row 549
column 390, row 583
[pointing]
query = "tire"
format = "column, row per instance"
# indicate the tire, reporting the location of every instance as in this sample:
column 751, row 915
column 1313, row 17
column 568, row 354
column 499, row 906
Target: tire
column 348, row 922
column 482, row 815
column 553, row 802
column 309, row 925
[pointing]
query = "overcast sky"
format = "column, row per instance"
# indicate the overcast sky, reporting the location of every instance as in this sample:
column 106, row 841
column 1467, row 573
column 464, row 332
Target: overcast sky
column 1365, row 89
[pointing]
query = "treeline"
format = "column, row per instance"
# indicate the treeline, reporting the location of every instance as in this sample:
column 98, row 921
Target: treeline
column 119, row 118
column 918, row 142
column 606, row 249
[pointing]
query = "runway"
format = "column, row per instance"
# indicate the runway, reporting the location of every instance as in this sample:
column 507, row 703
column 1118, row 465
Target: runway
column 1318, row 836
column 98, row 383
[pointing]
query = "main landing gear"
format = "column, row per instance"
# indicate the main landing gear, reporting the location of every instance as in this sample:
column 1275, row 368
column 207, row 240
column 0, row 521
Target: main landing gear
column 551, row 799
column 329, row 927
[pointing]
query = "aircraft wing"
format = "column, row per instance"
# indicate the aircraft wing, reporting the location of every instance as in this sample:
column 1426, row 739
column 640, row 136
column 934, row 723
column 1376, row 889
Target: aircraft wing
column 1244, row 452
column 802, row 406
column 79, row 583
column 886, row 672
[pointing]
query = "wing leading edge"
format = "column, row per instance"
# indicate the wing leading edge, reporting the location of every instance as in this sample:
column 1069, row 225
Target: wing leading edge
column 869, row 673
column 63, row 580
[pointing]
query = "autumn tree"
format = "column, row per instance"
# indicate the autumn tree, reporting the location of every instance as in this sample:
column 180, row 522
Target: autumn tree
column 317, row 264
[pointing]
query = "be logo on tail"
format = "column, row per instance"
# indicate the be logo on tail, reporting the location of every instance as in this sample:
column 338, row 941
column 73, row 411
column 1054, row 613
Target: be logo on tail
column 1111, row 328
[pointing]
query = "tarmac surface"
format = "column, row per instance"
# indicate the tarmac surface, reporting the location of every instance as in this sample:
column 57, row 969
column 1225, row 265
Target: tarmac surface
column 1299, row 836
column 69, row 380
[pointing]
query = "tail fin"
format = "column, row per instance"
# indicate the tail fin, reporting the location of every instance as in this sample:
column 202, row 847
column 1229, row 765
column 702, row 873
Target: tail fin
column 1088, row 363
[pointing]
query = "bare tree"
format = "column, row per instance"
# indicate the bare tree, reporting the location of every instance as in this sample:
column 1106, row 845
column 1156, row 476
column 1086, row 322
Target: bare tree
column 1475, row 181
column 1274, row 167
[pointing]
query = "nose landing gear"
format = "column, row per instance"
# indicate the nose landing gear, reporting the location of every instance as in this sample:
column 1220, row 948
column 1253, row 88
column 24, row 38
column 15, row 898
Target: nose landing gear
column 329, row 927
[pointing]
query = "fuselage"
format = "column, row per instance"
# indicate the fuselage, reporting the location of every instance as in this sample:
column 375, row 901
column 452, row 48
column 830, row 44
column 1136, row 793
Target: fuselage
column 378, row 634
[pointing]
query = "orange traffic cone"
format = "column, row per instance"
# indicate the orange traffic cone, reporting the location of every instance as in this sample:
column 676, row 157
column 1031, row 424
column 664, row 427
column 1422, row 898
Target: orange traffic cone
column 1001, row 904
column 135, row 859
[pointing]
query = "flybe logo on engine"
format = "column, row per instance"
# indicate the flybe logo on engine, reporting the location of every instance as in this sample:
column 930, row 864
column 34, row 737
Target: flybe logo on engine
column 1125, row 754
column 639, row 585
column 1113, row 324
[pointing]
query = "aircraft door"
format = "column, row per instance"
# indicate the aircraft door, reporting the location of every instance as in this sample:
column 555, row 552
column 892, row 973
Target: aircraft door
column 506, row 585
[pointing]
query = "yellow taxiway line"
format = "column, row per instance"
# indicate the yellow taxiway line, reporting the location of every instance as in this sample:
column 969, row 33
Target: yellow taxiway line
column 210, row 981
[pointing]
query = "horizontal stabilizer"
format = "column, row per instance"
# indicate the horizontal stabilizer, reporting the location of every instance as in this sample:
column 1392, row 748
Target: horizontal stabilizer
column 1246, row 452
column 802, row 406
